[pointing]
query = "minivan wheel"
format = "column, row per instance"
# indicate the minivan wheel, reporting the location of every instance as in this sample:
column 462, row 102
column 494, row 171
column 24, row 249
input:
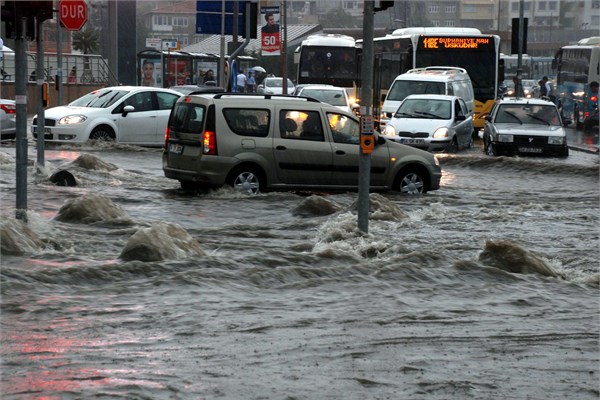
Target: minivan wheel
column 246, row 180
column 411, row 181
column 102, row 133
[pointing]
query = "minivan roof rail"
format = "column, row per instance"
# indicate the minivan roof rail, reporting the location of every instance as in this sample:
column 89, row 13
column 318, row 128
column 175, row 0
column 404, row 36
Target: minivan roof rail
column 443, row 69
column 265, row 96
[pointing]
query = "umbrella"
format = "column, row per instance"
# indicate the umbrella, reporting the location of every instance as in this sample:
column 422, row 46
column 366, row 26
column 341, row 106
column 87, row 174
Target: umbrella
column 258, row 69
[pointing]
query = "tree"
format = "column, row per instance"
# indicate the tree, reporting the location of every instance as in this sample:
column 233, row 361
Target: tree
column 86, row 41
column 337, row 17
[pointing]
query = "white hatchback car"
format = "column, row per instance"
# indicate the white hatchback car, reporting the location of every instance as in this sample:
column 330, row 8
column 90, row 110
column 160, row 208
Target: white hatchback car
column 432, row 122
column 124, row 114
column 8, row 122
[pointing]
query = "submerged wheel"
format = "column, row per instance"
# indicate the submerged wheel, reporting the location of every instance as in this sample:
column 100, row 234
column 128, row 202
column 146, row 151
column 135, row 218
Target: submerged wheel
column 102, row 133
column 247, row 180
column 411, row 181
column 490, row 150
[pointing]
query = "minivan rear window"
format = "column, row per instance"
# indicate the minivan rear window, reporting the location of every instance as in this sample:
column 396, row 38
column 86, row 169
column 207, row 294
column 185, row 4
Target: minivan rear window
column 187, row 117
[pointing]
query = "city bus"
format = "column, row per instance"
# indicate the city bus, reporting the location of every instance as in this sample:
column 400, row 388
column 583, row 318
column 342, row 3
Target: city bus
column 410, row 48
column 511, row 64
column 330, row 59
column 577, row 66
column 542, row 66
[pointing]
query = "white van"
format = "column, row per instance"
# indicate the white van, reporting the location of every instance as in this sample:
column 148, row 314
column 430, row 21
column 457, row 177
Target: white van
column 430, row 80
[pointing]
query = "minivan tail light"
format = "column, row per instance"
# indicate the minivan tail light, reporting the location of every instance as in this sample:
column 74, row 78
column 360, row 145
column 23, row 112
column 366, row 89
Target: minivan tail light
column 209, row 143
column 166, row 146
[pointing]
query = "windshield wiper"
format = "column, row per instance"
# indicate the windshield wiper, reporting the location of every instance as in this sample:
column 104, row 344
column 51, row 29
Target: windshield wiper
column 427, row 114
column 512, row 114
column 409, row 115
column 538, row 118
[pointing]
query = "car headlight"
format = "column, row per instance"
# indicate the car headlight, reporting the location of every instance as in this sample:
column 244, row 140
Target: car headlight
column 440, row 133
column 505, row 138
column 72, row 119
column 556, row 139
column 389, row 130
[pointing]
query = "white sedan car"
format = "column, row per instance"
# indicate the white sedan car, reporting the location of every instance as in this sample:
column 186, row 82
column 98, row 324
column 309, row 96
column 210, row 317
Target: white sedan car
column 525, row 126
column 8, row 122
column 124, row 114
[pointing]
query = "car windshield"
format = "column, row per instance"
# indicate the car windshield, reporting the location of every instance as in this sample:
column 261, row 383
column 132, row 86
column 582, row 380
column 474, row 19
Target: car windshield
column 527, row 114
column 401, row 89
column 424, row 108
column 102, row 98
column 333, row 97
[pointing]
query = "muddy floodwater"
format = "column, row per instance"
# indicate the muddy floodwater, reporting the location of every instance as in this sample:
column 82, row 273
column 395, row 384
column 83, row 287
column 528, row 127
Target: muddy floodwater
column 125, row 287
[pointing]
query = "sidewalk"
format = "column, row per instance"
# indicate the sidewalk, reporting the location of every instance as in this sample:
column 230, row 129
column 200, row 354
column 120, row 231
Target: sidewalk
column 580, row 141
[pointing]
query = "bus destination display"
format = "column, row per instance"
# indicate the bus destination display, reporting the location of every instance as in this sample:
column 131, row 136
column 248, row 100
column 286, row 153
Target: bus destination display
column 455, row 42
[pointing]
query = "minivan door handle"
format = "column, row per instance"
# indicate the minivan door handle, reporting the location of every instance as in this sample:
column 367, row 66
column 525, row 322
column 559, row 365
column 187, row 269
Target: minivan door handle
column 340, row 152
column 280, row 147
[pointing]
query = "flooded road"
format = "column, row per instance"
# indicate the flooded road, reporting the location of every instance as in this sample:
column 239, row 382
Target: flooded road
column 126, row 287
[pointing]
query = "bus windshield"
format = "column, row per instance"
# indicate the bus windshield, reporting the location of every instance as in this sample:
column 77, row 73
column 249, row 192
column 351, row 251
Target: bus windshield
column 328, row 65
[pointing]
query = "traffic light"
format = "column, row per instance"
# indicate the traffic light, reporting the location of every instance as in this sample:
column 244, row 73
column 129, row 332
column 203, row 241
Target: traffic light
column 381, row 5
column 514, row 39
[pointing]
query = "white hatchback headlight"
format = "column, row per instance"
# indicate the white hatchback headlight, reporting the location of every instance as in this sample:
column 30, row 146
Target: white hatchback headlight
column 440, row 133
column 72, row 119
column 389, row 130
column 506, row 138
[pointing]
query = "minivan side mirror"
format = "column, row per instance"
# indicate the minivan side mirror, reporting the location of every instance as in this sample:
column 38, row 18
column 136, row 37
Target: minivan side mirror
column 460, row 118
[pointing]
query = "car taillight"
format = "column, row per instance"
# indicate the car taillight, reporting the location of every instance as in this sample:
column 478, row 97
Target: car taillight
column 166, row 146
column 209, row 143
column 594, row 99
column 8, row 108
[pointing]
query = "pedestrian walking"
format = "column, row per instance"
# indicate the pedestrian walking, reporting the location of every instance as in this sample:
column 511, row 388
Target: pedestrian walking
column 241, row 81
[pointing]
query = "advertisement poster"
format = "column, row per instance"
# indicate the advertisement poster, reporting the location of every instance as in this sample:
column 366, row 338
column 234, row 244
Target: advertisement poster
column 207, row 72
column 150, row 73
column 270, row 34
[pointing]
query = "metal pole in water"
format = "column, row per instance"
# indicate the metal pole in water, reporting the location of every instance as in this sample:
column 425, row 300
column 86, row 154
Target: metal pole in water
column 21, row 121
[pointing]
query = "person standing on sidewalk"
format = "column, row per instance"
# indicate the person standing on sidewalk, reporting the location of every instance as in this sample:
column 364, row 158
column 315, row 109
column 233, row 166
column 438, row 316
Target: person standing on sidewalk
column 241, row 81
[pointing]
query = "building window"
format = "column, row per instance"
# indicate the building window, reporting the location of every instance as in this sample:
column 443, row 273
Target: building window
column 596, row 4
column 451, row 23
column 552, row 6
column 434, row 9
column 436, row 22
column 527, row 6
column 469, row 8
column 450, row 9
column 514, row 6
column 542, row 6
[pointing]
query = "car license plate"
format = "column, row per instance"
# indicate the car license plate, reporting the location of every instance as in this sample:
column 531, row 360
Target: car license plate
column 530, row 150
column 46, row 130
column 411, row 141
column 175, row 148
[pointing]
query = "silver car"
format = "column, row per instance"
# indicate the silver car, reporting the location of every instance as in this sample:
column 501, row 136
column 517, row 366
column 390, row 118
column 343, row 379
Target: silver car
column 258, row 143
column 525, row 126
column 432, row 122
column 274, row 85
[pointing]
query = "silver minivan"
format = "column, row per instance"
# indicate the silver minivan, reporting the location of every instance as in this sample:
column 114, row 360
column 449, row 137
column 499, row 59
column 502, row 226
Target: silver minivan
column 258, row 143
